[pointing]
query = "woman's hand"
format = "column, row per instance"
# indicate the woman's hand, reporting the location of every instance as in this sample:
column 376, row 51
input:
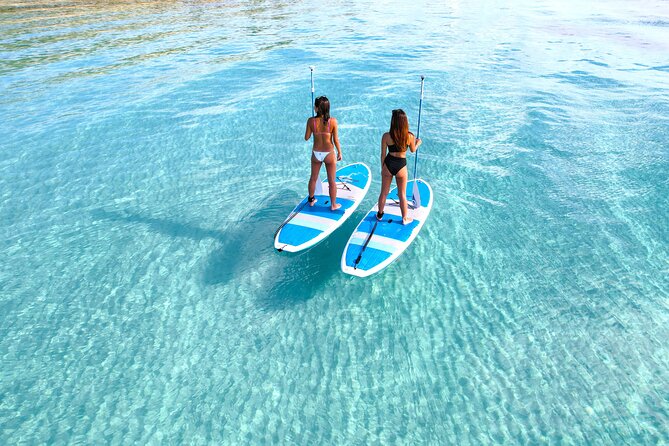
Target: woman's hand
column 339, row 155
column 418, row 142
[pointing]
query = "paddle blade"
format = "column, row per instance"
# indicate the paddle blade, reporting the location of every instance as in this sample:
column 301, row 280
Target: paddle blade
column 416, row 194
column 319, row 187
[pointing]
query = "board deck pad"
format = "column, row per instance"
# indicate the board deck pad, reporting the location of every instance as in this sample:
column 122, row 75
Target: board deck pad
column 307, row 225
column 365, row 255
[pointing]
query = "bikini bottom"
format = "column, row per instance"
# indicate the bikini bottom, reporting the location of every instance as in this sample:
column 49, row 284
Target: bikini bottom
column 320, row 156
column 395, row 164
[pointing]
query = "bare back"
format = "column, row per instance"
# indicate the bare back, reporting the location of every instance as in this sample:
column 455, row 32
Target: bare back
column 398, row 152
column 325, row 135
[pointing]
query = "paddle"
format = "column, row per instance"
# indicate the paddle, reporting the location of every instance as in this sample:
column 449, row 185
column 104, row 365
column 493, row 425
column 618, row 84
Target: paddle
column 311, row 68
column 416, row 192
column 297, row 211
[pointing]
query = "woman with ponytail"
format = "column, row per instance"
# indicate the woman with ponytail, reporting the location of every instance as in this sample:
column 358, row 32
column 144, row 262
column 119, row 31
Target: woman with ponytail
column 326, row 137
column 394, row 161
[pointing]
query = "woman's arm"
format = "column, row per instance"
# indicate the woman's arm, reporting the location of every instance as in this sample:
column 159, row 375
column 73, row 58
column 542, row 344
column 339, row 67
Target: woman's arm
column 384, row 146
column 414, row 143
column 307, row 133
column 335, row 138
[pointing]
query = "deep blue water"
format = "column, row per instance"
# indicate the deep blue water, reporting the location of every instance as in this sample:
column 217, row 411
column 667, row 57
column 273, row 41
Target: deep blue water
column 150, row 149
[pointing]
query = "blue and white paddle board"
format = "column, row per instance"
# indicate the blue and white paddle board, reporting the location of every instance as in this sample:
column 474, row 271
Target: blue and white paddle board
column 376, row 244
column 308, row 225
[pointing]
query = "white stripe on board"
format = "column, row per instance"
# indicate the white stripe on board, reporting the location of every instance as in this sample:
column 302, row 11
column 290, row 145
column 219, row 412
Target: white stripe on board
column 377, row 242
column 353, row 194
column 313, row 221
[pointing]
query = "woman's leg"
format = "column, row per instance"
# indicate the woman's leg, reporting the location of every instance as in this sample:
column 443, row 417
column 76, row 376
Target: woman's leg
column 401, row 179
column 315, row 170
column 386, row 179
column 331, row 168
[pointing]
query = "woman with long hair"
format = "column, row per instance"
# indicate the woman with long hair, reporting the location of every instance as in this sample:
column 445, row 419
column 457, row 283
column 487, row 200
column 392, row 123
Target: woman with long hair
column 394, row 162
column 325, row 129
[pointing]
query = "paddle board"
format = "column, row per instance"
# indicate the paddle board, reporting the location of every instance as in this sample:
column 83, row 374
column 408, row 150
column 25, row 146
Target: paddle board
column 308, row 225
column 376, row 244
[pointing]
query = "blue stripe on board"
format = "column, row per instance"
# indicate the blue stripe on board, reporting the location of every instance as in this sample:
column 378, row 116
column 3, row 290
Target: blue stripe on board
column 323, row 210
column 395, row 229
column 370, row 258
column 296, row 235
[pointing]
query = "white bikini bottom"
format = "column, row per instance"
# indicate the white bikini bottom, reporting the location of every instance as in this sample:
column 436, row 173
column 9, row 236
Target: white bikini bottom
column 320, row 156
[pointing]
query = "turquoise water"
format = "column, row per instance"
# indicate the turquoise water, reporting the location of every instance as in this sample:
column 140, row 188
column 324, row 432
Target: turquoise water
column 150, row 149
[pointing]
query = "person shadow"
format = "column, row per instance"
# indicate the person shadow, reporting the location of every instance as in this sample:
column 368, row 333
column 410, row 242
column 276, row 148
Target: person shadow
column 290, row 279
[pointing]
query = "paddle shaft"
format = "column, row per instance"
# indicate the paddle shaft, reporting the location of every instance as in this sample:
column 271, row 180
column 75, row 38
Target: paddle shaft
column 420, row 109
column 313, row 112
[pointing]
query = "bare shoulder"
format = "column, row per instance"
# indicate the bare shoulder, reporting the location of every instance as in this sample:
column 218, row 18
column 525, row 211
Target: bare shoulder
column 385, row 137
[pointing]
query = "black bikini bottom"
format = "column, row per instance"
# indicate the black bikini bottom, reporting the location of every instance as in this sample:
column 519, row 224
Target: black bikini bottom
column 394, row 164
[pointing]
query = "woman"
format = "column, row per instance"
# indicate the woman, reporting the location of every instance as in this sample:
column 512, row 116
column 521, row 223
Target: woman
column 394, row 163
column 326, row 137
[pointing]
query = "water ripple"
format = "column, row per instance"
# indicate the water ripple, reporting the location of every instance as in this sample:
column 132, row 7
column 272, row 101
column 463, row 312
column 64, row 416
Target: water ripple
column 151, row 149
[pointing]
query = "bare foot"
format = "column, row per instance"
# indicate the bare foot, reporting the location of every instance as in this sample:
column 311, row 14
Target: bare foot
column 334, row 207
column 407, row 220
column 312, row 201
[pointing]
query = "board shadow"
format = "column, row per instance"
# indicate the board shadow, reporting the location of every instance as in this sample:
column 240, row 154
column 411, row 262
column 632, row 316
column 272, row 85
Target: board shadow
column 242, row 245
column 239, row 245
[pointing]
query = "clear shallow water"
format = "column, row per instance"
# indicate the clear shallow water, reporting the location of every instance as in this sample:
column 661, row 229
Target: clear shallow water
column 141, row 302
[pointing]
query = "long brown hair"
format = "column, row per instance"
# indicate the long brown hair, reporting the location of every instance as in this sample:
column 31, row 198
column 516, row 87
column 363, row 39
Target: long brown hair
column 399, row 129
column 322, row 108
